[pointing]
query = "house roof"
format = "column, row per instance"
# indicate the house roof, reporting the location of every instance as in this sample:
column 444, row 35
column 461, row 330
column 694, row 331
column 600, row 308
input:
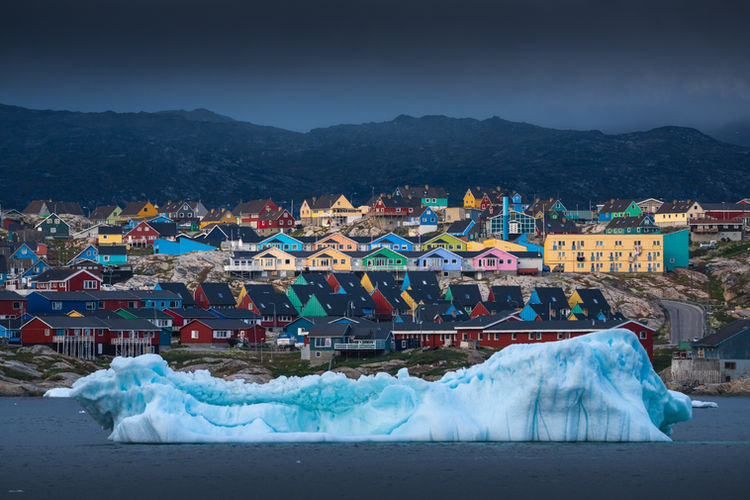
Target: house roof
column 729, row 207
column 561, row 225
column 146, row 313
column 671, row 207
column 218, row 294
column 223, row 324
column 324, row 202
column 466, row 295
column 250, row 207
column 133, row 208
column 110, row 230
column 615, row 206
column 190, row 313
column 10, row 295
column 102, row 212
column 459, row 226
column 327, row 329
column 552, row 295
column 234, row 313
column 179, row 289
column 508, row 293
column 60, row 274
column 630, row 222
column 265, row 303
column 112, row 250
column 164, row 228
column 723, row 334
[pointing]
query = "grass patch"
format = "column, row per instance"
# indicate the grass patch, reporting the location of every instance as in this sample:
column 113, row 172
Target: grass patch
column 10, row 372
column 733, row 250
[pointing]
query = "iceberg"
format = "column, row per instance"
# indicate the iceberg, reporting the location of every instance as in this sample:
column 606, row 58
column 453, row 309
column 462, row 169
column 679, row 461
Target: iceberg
column 704, row 404
column 597, row 387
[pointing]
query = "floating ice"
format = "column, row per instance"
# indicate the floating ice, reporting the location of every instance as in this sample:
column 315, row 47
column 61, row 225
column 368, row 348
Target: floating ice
column 703, row 404
column 597, row 387
column 58, row 392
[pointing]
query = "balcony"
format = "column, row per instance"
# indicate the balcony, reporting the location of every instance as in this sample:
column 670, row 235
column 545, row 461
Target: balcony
column 361, row 345
column 243, row 267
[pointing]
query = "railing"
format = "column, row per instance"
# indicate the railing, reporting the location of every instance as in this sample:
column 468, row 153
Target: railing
column 243, row 267
column 363, row 345
column 73, row 338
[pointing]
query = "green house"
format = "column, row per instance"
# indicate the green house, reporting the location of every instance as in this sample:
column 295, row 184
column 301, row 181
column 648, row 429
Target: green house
column 54, row 227
column 385, row 259
column 445, row 241
column 642, row 224
column 619, row 208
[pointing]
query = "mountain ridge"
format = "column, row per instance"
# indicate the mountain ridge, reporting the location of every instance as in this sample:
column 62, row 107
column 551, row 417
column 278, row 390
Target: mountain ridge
column 113, row 157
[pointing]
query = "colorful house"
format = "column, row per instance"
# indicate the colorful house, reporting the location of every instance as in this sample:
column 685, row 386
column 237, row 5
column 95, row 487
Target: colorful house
column 619, row 208
column 113, row 255
column 678, row 213
column 107, row 214
column 328, row 259
column 428, row 196
column 612, row 253
column 141, row 236
column 641, row 224
column 247, row 213
column 445, row 241
column 392, row 242
column 439, row 259
column 217, row 216
column 137, row 210
column 109, row 235
column 66, row 280
column 494, row 260
column 282, row 241
column 378, row 279
column 385, row 259
column 88, row 253
column 54, row 227
column 330, row 209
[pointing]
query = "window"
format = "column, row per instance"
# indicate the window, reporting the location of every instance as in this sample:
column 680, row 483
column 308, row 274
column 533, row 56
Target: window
column 539, row 336
column 730, row 365
column 643, row 334
column 194, row 334
column 531, row 336
column 57, row 306
column 497, row 336
column 90, row 306
column 46, row 332
column 16, row 305
column 560, row 336
column 89, row 285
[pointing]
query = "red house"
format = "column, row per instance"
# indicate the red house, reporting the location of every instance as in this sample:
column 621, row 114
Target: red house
column 12, row 305
column 219, row 331
column 249, row 212
column 183, row 316
column 142, row 235
column 395, row 206
column 67, row 280
column 272, row 221
column 112, row 300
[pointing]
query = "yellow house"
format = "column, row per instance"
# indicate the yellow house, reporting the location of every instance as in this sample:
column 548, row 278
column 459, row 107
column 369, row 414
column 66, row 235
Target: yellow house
column 138, row 210
column 471, row 200
column 109, row 235
column 273, row 259
column 326, row 210
column 329, row 259
column 677, row 213
column 507, row 246
column 337, row 241
column 217, row 216
column 605, row 253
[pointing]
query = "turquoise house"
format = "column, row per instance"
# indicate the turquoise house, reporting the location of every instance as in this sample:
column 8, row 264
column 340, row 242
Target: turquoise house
column 676, row 249
column 112, row 255
column 282, row 241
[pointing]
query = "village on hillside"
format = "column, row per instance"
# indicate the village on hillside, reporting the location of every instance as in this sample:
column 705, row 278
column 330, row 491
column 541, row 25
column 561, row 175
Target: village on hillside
column 405, row 270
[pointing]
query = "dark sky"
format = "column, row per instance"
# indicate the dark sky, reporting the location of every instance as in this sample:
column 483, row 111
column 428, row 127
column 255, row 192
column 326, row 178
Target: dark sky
column 299, row 64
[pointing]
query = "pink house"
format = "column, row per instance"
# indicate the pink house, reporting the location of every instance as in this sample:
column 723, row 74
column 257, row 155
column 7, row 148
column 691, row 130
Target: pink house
column 494, row 259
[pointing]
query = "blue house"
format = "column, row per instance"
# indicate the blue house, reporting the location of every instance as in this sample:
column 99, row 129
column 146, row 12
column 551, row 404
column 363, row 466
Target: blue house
column 182, row 246
column 428, row 218
column 24, row 251
column 60, row 302
column 88, row 253
column 10, row 329
column 35, row 270
column 161, row 219
column 282, row 241
column 291, row 333
column 439, row 259
column 392, row 242
column 460, row 228
column 516, row 202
